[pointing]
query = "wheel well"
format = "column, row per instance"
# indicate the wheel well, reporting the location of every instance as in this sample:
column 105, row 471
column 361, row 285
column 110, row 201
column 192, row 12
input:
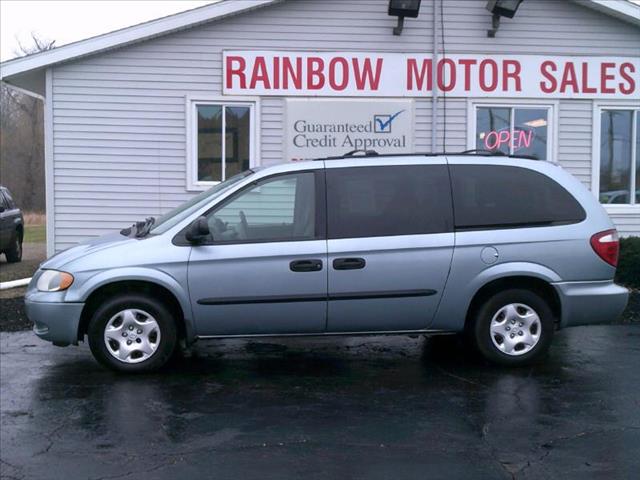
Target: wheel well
column 541, row 287
column 154, row 290
column 20, row 230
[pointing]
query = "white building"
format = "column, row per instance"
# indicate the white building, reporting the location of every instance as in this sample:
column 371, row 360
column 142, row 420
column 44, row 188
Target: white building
column 140, row 119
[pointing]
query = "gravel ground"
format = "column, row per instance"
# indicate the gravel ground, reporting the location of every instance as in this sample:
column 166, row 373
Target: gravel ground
column 32, row 255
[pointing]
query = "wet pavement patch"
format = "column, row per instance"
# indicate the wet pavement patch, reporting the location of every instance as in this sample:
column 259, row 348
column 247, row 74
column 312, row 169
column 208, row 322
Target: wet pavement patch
column 362, row 407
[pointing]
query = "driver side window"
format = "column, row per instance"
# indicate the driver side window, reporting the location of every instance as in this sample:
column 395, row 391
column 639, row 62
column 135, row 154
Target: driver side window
column 281, row 208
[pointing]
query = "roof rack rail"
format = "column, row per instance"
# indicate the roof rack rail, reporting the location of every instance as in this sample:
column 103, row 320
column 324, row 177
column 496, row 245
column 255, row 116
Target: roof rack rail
column 494, row 153
column 478, row 151
column 353, row 153
column 366, row 153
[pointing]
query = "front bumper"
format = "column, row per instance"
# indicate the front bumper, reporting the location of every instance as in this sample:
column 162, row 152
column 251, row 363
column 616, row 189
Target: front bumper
column 588, row 303
column 55, row 321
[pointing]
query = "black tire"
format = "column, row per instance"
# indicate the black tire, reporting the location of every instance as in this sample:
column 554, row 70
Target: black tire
column 119, row 303
column 481, row 335
column 14, row 252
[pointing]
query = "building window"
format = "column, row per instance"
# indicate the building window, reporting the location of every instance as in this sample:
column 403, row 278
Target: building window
column 619, row 176
column 221, row 141
column 513, row 130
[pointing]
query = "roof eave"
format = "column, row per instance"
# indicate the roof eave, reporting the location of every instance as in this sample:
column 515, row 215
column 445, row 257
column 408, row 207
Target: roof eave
column 129, row 35
column 620, row 9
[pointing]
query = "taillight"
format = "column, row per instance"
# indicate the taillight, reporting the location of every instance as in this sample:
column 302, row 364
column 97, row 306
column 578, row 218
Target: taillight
column 607, row 245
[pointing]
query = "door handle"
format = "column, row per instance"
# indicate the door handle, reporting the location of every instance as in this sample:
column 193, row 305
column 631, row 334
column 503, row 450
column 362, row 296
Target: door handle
column 311, row 265
column 349, row 263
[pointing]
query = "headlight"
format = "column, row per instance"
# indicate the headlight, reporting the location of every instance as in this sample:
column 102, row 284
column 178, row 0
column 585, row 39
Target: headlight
column 54, row 281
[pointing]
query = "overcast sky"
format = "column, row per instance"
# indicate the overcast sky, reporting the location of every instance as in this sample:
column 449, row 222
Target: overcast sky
column 68, row 21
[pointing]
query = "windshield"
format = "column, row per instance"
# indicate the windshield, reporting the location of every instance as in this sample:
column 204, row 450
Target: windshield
column 175, row 216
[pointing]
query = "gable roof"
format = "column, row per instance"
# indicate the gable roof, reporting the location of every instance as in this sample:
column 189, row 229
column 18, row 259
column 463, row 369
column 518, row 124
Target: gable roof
column 129, row 35
column 28, row 72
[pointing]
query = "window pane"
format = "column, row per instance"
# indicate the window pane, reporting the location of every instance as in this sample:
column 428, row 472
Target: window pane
column 238, row 139
column 530, row 132
column 492, row 129
column 485, row 196
column 615, row 156
column 282, row 208
column 209, row 143
column 381, row 201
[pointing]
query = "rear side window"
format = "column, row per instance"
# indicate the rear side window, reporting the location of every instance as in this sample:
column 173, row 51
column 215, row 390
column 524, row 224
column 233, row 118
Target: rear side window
column 505, row 196
column 388, row 200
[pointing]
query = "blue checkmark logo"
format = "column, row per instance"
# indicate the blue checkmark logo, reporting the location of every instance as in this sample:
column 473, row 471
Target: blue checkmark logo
column 382, row 123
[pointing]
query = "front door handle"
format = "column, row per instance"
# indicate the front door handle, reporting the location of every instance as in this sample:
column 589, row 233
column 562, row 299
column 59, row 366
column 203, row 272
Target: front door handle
column 349, row 263
column 311, row 265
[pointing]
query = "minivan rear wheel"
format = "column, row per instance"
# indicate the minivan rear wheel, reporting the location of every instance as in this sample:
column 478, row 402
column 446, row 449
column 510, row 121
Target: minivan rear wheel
column 513, row 327
column 132, row 333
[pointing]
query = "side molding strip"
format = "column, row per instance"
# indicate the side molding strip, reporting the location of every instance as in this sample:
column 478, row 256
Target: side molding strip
column 316, row 298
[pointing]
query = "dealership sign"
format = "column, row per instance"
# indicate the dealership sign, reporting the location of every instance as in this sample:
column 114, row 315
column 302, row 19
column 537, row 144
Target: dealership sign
column 320, row 128
column 414, row 75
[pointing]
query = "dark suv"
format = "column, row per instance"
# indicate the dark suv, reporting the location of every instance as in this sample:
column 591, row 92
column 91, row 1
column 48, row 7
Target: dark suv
column 11, row 227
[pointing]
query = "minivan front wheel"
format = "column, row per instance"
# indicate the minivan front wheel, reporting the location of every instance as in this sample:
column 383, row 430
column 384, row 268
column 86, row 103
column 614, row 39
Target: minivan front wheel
column 132, row 333
column 514, row 327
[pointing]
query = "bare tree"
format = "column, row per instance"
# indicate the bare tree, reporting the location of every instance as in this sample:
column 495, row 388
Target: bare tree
column 39, row 45
column 22, row 137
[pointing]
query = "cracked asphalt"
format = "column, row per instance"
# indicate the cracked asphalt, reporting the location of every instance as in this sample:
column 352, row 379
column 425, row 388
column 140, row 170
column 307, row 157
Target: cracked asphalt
column 328, row 408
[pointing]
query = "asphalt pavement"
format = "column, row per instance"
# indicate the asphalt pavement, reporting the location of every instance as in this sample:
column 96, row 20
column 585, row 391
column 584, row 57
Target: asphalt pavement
column 329, row 408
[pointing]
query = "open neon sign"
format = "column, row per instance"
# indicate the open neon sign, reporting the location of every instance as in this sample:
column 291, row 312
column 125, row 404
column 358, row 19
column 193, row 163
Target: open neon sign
column 516, row 140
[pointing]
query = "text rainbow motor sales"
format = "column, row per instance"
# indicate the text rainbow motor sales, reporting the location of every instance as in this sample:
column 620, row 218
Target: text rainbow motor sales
column 329, row 74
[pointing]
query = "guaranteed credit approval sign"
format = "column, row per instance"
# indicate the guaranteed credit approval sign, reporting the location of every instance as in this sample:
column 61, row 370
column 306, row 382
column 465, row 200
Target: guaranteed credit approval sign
column 323, row 127
column 334, row 74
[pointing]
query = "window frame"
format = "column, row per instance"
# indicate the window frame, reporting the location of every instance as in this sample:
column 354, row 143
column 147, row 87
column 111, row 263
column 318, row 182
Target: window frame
column 598, row 107
column 552, row 116
column 191, row 115
column 321, row 211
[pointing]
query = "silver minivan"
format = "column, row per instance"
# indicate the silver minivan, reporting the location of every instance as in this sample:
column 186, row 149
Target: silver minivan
column 505, row 250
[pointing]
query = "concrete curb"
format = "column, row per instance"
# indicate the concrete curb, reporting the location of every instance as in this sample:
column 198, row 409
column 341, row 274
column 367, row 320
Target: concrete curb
column 23, row 282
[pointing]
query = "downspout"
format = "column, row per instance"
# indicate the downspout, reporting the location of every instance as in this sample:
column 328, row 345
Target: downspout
column 434, row 80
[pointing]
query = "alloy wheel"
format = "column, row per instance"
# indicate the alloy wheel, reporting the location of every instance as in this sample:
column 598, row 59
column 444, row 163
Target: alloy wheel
column 515, row 329
column 132, row 335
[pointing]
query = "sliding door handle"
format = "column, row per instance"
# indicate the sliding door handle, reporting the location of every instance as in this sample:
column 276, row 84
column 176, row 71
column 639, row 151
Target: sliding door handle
column 349, row 263
column 311, row 265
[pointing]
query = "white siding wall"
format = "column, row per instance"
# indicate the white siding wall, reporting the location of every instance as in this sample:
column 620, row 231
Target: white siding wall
column 575, row 138
column 119, row 134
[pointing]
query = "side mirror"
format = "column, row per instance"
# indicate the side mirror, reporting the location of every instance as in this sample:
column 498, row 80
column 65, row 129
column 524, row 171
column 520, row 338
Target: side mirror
column 198, row 231
column 2, row 209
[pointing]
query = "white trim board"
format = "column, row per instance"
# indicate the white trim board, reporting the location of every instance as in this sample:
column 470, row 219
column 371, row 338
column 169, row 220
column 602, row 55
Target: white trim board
column 48, row 163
